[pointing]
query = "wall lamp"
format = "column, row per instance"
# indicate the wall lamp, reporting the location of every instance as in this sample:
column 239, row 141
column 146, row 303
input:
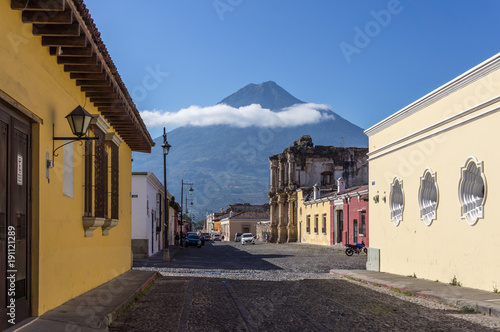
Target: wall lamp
column 79, row 121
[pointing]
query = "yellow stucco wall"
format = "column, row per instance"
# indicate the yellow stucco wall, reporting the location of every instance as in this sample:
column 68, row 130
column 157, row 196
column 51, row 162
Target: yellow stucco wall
column 65, row 264
column 449, row 247
column 317, row 209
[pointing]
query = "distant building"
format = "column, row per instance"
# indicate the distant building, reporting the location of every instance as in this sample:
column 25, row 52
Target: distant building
column 213, row 220
column 306, row 165
column 247, row 207
column 338, row 217
column 353, row 225
column 241, row 222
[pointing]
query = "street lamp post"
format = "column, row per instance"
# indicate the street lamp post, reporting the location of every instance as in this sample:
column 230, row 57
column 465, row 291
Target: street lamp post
column 166, row 147
column 182, row 195
column 188, row 215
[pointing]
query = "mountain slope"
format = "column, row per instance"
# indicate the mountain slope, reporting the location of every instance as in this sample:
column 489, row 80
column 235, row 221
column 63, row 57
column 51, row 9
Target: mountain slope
column 230, row 165
column 268, row 94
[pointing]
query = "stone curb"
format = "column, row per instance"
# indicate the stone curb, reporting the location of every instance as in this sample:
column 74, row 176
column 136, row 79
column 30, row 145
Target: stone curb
column 113, row 315
column 482, row 308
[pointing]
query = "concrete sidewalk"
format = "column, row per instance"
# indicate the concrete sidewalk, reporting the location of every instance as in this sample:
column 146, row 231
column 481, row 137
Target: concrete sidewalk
column 157, row 259
column 93, row 310
column 484, row 302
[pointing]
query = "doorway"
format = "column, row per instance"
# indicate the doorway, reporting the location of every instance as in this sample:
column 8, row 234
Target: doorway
column 340, row 225
column 15, row 182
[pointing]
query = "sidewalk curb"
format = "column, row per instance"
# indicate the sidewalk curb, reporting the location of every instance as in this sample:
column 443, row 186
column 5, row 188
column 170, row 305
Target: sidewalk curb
column 481, row 307
column 113, row 315
column 376, row 284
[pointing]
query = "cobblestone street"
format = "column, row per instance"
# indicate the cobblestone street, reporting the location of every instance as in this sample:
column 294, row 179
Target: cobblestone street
column 286, row 287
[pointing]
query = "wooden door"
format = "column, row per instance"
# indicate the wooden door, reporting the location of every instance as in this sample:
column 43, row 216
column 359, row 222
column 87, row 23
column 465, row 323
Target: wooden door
column 15, row 169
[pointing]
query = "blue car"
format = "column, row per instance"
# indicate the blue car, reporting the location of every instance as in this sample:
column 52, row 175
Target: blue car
column 192, row 240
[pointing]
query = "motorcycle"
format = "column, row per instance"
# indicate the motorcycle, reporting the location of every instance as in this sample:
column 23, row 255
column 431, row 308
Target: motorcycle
column 355, row 248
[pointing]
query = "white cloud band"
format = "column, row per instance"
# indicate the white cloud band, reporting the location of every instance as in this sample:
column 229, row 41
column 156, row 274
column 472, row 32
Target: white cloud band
column 245, row 116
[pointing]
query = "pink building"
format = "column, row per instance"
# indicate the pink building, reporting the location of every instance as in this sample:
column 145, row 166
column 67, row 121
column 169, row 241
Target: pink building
column 354, row 215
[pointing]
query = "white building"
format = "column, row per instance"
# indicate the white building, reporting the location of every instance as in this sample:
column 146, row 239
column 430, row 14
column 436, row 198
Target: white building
column 147, row 215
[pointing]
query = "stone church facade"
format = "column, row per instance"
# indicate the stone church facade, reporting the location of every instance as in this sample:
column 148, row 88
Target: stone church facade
column 306, row 165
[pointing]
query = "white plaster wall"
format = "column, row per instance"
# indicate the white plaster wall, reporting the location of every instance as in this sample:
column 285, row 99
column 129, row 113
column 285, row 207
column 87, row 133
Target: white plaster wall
column 139, row 207
column 152, row 218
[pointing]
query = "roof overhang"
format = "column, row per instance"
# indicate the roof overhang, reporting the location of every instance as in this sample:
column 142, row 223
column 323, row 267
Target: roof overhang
column 67, row 29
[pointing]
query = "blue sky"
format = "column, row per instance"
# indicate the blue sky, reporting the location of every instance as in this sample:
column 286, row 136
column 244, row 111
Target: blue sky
column 366, row 59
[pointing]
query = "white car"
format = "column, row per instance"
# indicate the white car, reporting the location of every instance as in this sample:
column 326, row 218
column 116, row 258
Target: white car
column 247, row 238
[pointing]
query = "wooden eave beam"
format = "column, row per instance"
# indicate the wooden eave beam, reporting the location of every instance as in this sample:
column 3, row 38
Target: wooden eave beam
column 83, row 68
column 47, row 17
column 87, row 76
column 77, row 60
column 103, row 83
column 69, row 30
column 38, row 5
column 115, row 113
column 71, row 51
column 102, row 100
column 101, row 104
column 114, row 109
column 64, row 41
column 97, row 89
column 101, row 95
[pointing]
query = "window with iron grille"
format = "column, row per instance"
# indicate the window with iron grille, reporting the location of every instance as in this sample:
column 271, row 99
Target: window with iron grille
column 96, row 176
column 114, row 181
column 89, row 161
column 101, row 176
column 323, row 228
column 355, row 227
column 396, row 201
column 363, row 224
column 308, row 224
column 472, row 190
column 316, row 224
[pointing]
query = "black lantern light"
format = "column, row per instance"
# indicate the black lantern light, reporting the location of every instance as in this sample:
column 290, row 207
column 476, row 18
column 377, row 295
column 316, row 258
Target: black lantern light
column 166, row 147
column 79, row 121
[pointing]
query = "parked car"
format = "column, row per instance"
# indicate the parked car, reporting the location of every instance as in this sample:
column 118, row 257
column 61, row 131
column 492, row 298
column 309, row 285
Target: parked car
column 237, row 237
column 192, row 240
column 216, row 237
column 247, row 238
column 206, row 236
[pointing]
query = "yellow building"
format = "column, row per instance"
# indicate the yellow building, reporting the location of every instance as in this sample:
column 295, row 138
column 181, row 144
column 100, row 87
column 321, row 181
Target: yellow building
column 433, row 183
column 66, row 209
column 314, row 218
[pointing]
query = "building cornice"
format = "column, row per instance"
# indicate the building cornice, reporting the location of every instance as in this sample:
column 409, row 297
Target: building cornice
column 456, row 84
column 113, row 137
column 99, row 122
